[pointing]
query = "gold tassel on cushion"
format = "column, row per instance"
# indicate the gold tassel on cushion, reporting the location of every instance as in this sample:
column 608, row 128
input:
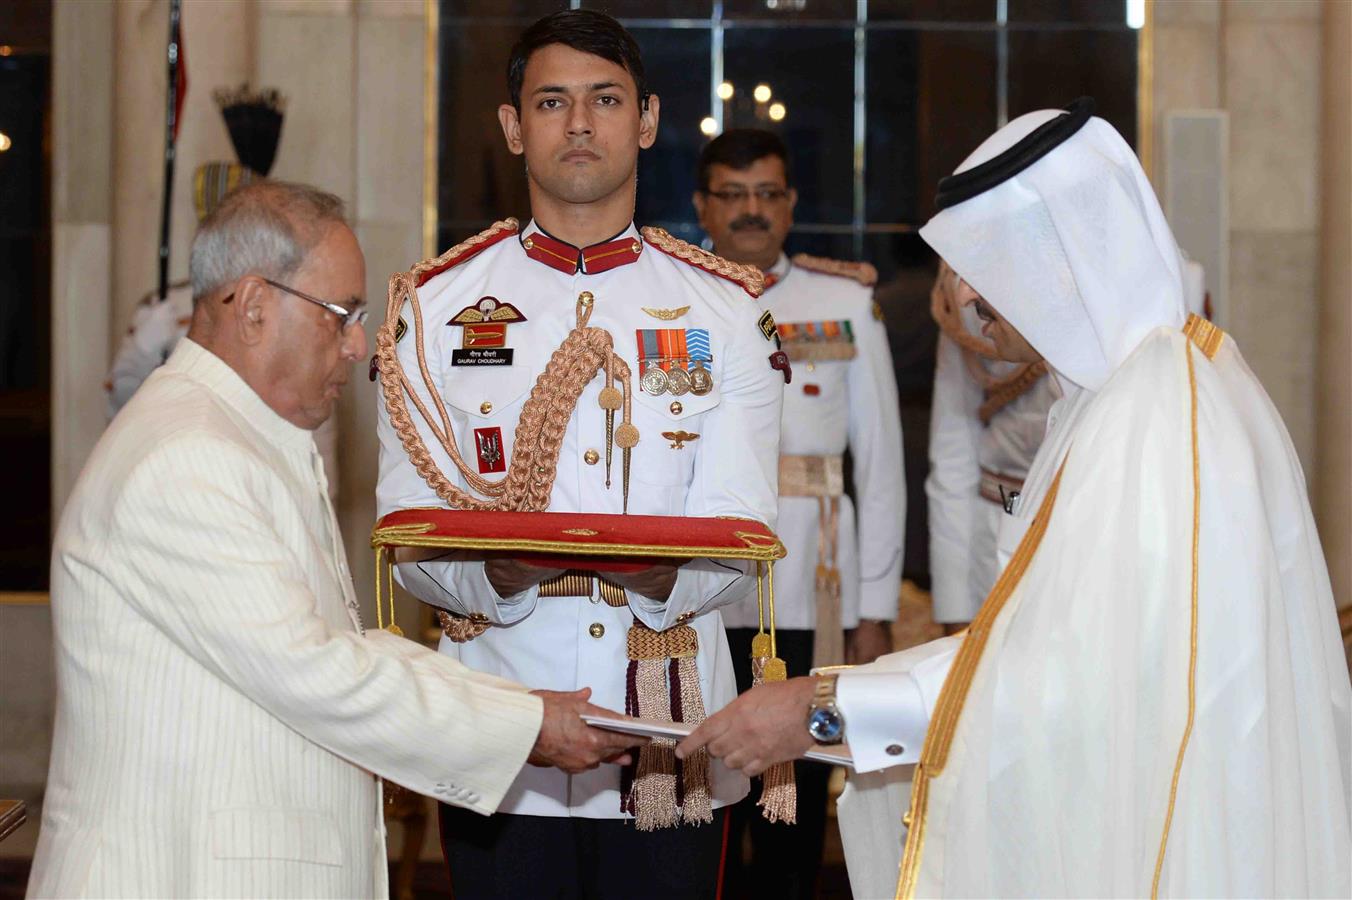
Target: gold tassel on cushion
column 779, row 792
column 662, row 683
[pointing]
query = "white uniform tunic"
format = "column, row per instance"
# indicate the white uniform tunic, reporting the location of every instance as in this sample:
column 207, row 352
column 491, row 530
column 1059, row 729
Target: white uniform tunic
column 831, row 405
column 729, row 469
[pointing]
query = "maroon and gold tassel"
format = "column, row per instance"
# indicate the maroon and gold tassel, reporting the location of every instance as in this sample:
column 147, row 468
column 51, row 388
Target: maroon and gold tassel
column 662, row 682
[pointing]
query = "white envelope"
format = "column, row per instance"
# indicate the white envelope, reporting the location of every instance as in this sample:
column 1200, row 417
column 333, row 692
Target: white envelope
column 835, row 754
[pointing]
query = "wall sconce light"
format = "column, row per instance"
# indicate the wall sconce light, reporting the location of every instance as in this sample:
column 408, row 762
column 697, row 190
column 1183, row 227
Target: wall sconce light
column 709, row 126
column 5, row 142
column 725, row 91
column 761, row 93
column 777, row 112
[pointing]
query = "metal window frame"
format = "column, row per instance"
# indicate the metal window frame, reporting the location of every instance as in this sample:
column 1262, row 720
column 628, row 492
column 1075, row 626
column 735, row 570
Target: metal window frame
column 718, row 25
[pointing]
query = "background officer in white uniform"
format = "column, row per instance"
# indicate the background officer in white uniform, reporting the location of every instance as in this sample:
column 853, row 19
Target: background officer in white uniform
column 844, row 565
column 705, row 399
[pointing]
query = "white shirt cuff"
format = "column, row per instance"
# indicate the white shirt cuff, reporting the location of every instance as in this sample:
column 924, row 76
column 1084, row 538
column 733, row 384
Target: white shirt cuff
column 885, row 718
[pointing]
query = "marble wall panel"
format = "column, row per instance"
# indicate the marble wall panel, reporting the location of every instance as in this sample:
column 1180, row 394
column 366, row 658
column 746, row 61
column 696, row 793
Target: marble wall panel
column 82, row 258
column 1273, row 317
column 82, row 111
column 311, row 59
column 1274, row 10
column 396, row 9
column 389, row 135
column 1193, row 12
column 1272, row 92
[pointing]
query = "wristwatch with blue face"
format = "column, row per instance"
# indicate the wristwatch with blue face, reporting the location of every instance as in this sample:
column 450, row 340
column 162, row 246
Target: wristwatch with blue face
column 824, row 721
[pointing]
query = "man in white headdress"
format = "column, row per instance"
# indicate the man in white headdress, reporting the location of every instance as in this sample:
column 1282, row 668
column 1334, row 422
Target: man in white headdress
column 987, row 420
column 1153, row 698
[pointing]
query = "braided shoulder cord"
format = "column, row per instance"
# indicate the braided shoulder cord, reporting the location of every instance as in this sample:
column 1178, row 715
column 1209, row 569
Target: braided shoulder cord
column 749, row 277
column 544, row 417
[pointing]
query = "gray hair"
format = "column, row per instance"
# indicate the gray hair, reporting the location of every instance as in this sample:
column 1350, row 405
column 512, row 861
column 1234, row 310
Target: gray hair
column 266, row 228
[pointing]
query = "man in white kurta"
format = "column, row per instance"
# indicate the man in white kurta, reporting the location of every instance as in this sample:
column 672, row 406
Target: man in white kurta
column 223, row 718
column 1153, row 699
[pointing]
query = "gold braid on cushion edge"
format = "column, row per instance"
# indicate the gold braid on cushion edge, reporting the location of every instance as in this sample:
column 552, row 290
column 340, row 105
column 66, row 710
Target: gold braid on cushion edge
column 862, row 272
column 749, row 277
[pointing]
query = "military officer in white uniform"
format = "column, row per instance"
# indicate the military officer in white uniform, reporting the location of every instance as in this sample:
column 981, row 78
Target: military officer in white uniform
column 705, row 390
column 836, row 593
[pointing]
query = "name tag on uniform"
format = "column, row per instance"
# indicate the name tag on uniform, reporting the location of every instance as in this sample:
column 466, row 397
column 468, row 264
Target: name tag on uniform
column 500, row 356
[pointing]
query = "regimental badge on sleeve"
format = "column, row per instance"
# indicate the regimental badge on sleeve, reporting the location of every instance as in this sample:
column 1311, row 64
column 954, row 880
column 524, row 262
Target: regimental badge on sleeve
column 484, row 335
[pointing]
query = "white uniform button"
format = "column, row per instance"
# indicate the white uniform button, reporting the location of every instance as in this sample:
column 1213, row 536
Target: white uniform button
column 591, row 457
column 596, row 629
column 895, row 750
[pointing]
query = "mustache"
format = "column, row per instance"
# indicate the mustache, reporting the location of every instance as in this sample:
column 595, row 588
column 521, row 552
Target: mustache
column 750, row 220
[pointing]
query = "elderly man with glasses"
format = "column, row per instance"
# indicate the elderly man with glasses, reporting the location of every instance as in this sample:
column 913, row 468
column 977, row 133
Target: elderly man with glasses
column 224, row 719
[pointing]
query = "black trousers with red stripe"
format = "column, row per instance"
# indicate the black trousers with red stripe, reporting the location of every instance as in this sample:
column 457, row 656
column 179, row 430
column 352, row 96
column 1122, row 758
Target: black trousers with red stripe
column 505, row 857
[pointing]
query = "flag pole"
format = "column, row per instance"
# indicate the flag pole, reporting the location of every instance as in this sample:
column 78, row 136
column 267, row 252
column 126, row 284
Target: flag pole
column 170, row 139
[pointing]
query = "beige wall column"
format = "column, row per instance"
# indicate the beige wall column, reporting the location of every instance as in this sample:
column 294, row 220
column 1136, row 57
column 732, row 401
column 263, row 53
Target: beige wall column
column 82, row 217
column 387, row 214
column 1333, row 500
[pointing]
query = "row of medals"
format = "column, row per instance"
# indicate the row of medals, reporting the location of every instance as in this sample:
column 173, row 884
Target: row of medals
column 676, row 381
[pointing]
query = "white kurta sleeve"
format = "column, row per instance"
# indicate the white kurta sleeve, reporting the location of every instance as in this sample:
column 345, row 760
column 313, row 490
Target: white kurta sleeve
column 205, row 529
column 736, row 473
column 952, row 487
column 879, row 472
column 887, row 704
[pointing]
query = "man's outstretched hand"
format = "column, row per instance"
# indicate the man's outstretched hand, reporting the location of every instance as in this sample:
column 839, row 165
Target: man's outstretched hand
column 764, row 726
column 570, row 744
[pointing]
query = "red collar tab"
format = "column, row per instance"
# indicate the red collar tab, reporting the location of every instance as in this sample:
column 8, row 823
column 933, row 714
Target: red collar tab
column 591, row 261
column 771, row 279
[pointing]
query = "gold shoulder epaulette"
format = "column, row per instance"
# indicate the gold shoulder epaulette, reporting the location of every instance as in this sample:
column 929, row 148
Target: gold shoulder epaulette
column 862, row 272
column 751, row 279
column 430, row 268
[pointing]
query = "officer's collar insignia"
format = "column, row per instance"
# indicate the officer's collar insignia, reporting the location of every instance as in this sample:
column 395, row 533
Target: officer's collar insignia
column 591, row 260
column 400, row 329
column 666, row 315
column 485, row 323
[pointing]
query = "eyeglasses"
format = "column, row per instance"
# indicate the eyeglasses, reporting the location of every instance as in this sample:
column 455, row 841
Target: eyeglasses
column 763, row 194
column 350, row 317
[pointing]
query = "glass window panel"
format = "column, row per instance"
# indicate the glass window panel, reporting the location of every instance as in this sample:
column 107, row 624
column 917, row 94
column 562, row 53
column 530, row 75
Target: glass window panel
column 931, row 100
column 653, row 9
column 810, row 71
column 500, row 9
column 1052, row 68
column 677, row 64
column 790, row 10
column 932, row 10
column 1069, row 11
column 479, row 181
